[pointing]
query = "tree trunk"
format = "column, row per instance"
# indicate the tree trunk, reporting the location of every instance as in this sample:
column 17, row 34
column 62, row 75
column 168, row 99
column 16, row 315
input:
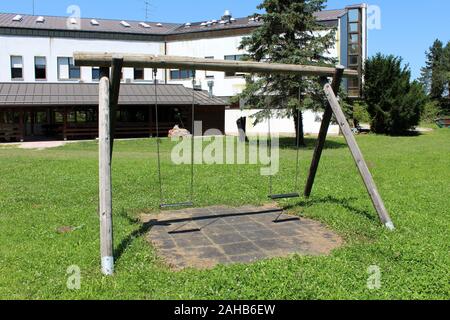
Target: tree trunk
column 299, row 134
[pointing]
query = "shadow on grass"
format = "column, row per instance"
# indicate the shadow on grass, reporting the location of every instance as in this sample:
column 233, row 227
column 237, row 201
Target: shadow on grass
column 143, row 229
column 310, row 144
column 343, row 202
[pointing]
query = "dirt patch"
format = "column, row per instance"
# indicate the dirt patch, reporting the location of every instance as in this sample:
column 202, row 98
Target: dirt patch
column 41, row 145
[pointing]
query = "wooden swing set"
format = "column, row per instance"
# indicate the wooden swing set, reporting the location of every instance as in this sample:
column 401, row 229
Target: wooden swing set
column 109, row 86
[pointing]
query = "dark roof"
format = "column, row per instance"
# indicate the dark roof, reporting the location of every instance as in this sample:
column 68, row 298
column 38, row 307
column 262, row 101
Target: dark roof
column 76, row 94
column 115, row 26
column 105, row 25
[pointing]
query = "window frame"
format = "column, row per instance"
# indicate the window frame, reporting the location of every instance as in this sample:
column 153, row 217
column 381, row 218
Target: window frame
column 12, row 68
column 234, row 74
column 71, row 66
column 92, row 74
column 45, row 78
column 209, row 74
column 354, row 48
column 180, row 72
column 140, row 70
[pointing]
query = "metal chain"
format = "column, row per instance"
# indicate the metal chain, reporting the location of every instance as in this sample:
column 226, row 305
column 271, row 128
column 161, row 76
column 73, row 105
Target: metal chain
column 155, row 73
column 269, row 140
column 192, row 135
column 297, row 170
column 299, row 113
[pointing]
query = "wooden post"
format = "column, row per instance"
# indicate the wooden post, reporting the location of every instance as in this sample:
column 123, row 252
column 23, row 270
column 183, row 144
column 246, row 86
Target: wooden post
column 116, row 72
column 105, row 185
column 65, row 123
column 22, row 125
column 326, row 119
column 359, row 159
column 32, row 121
column 150, row 119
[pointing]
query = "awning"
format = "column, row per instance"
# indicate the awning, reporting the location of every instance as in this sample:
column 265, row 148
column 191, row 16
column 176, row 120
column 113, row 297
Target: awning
column 86, row 94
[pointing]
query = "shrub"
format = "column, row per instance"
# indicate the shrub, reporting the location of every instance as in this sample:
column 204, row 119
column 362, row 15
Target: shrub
column 394, row 102
column 360, row 113
column 431, row 111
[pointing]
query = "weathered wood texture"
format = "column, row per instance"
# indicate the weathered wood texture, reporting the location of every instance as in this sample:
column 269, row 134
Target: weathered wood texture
column 105, row 186
column 326, row 119
column 358, row 157
column 116, row 75
column 189, row 63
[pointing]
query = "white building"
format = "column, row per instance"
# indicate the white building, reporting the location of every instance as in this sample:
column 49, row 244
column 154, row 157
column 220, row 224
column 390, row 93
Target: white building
column 39, row 49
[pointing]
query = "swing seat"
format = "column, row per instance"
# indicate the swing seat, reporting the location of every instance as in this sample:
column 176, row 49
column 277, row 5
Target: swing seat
column 284, row 196
column 175, row 205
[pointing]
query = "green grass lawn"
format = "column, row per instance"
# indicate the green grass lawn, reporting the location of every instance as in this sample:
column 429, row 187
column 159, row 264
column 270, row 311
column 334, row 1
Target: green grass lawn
column 41, row 191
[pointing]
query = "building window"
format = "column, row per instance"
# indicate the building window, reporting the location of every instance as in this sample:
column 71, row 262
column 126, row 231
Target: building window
column 353, row 61
column 181, row 74
column 209, row 74
column 16, row 68
column 96, row 73
column 67, row 70
column 40, row 68
column 353, row 27
column 234, row 57
column 138, row 74
column 354, row 50
column 353, row 15
column 354, row 38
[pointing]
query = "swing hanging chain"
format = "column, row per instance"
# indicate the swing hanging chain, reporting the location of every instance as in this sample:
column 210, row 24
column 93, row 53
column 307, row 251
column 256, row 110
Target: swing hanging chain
column 297, row 169
column 192, row 135
column 269, row 140
column 297, row 163
column 164, row 205
column 297, row 134
column 158, row 151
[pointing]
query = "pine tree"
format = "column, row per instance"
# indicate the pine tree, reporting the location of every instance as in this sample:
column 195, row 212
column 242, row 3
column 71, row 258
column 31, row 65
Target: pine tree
column 446, row 65
column 436, row 75
column 290, row 34
column 433, row 75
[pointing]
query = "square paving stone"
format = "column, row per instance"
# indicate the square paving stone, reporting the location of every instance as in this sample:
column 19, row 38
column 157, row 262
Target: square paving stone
column 206, row 237
column 240, row 248
column 261, row 234
column 226, row 238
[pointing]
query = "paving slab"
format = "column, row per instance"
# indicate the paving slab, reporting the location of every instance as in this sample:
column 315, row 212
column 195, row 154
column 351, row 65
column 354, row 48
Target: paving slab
column 205, row 237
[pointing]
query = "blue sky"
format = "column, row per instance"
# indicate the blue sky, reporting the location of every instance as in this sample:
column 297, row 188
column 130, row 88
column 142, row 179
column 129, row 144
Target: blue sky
column 408, row 27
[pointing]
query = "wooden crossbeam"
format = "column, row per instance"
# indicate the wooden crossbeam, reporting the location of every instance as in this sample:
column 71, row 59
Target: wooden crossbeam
column 190, row 63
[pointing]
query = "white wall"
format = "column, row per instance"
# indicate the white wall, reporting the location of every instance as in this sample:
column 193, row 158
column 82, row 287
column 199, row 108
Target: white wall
column 217, row 48
column 52, row 48
column 283, row 126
